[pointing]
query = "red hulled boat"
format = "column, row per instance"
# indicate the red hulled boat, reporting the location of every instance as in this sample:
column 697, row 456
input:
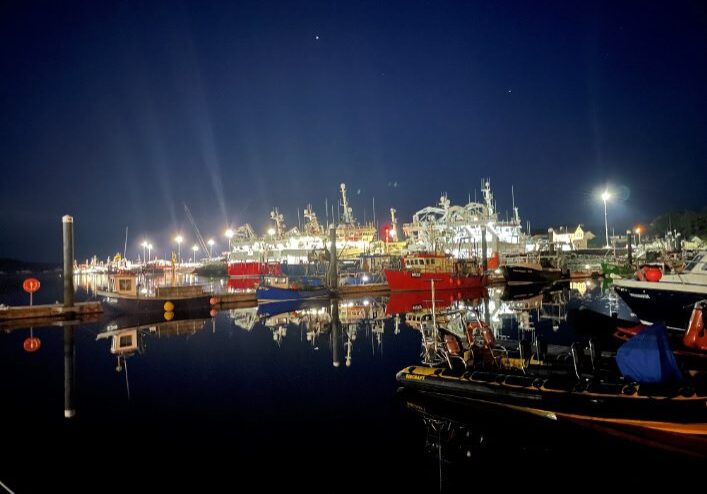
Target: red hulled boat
column 420, row 269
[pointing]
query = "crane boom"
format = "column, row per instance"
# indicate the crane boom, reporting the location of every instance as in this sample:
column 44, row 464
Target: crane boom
column 196, row 229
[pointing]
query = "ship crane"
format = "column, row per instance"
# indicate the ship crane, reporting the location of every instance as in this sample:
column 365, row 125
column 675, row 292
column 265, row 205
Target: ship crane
column 348, row 212
column 279, row 220
column 311, row 225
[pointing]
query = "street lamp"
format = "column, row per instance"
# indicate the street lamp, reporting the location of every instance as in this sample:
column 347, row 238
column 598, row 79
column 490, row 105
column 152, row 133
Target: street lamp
column 195, row 248
column 179, row 239
column 149, row 252
column 271, row 231
column 211, row 246
column 229, row 236
column 638, row 232
column 605, row 196
column 144, row 246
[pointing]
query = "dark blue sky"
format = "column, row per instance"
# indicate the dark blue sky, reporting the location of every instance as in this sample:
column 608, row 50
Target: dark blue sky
column 119, row 113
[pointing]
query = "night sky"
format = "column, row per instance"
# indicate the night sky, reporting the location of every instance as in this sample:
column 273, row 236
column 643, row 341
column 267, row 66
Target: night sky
column 118, row 113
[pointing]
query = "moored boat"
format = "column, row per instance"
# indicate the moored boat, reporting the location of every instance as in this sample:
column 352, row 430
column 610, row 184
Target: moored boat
column 526, row 274
column 125, row 296
column 642, row 385
column 419, row 270
column 666, row 297
column 266, row 293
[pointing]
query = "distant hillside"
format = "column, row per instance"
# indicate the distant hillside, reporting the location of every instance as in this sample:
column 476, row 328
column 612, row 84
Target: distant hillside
column 15, row 265
column 687, row 222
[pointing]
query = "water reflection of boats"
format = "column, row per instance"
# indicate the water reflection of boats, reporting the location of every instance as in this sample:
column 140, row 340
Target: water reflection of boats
column 461, row 433
column 403, row 302
column 522, row 292
column 127, row 333
column 289, row 306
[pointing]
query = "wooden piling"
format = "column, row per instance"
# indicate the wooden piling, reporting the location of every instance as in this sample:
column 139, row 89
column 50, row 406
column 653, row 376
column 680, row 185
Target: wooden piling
column 68, row 228
column 69, row 371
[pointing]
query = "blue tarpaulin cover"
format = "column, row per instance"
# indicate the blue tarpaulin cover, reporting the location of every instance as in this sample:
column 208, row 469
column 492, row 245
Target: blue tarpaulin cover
column 647, row 357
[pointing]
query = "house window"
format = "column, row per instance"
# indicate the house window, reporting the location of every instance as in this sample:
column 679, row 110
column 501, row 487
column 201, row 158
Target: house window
column 125, row 285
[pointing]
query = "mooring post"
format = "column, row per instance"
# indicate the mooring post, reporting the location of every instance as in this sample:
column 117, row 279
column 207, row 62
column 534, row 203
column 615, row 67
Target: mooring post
column 335, row 334
column 333, row 261
column 484, row 255
column 68, row 226
column 69, row 346
column 629, row 247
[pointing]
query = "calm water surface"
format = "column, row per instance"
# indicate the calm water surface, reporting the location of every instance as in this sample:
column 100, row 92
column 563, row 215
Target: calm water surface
column 247, row 398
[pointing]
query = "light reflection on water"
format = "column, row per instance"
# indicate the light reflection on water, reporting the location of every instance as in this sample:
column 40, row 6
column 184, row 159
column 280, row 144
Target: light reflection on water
column 307, row 373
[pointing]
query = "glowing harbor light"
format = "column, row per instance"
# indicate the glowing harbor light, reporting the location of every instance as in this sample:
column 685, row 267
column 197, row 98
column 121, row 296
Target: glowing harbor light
column 144, row 247
column 179, row 239
column 271, row 231
column 638, row 232
column 149, row 252
column 229, row 235
column 605, row 196
column 195, row 248
column 211, row 243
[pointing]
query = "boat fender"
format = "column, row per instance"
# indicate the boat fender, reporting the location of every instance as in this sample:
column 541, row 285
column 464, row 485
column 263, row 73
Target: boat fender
column 653, row 273
column 213, row 301
column 695, row 336
column 168, row 306
column 538, row 382
column 629, row 389
column 489, row 338
column 452, row 344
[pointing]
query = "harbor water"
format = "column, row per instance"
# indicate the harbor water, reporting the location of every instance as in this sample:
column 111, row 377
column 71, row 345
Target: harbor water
column 250, row 397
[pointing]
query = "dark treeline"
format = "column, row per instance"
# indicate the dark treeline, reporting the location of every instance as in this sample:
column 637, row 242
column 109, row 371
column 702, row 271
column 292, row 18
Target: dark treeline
column 687, row 222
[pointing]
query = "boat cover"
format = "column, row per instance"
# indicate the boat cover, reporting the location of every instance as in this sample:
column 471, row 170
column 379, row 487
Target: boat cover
column 647, row 357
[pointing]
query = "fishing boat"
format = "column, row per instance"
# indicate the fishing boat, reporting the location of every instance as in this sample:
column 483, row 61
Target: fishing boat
column 532, row 273
column 669, row 297
column 126, row 295
column 418, row 270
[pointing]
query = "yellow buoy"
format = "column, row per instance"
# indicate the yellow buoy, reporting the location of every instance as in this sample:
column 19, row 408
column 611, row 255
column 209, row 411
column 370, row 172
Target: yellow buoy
column 169, row 315
column 168, row 306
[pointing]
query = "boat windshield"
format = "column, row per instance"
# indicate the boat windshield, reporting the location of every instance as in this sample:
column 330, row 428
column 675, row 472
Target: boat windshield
column 694, row 261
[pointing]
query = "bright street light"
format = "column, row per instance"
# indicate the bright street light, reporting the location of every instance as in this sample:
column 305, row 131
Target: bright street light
column 179, row 239
column 211, row 243
column 149, row 252
column 271, row 231
column 144, row 246
column 637, row 231
column 195, row 248
column 229, row 235
column 605, row 196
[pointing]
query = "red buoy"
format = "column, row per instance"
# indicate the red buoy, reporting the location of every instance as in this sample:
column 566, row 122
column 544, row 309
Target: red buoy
column 31, row 344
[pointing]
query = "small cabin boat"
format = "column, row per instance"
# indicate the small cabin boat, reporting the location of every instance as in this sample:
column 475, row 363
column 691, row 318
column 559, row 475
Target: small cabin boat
column 126, row 295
